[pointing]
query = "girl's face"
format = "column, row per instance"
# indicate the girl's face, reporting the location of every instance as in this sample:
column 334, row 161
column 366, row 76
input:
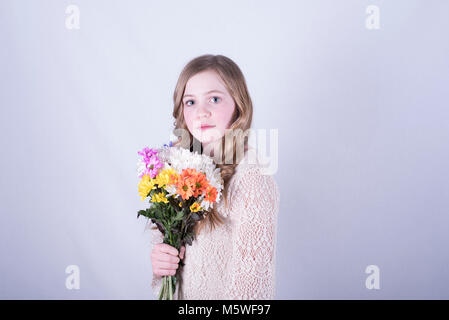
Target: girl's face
column 207, row 102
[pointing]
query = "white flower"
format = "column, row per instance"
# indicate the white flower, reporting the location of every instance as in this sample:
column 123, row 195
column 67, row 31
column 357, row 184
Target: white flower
column 140, row 167
column 171, row 190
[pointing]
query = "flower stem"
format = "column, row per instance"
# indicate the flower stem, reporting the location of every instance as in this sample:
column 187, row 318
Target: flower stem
column 161, row 290
column 171, row 287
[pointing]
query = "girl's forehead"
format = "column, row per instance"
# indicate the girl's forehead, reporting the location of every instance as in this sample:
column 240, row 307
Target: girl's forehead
column 204, row 82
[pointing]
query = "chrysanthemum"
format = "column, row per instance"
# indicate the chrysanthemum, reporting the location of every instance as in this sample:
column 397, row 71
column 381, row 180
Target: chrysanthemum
column 149, row 163
column 211, row 194
column 145, row 186
column 195, row 207
column 165, row 177
column 153, row 165
column 185, row 187
column 147, row 153
column 200, row 185
column 159, row 197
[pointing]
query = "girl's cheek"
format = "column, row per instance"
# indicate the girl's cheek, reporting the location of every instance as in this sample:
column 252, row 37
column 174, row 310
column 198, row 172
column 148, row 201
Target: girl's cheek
column 187, row 117
column 223, row 118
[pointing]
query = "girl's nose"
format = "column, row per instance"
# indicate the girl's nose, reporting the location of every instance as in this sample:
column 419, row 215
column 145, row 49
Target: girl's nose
column 202, row 111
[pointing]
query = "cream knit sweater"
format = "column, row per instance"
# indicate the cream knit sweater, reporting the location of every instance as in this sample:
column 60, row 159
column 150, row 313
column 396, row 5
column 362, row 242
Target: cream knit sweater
column 237, row 259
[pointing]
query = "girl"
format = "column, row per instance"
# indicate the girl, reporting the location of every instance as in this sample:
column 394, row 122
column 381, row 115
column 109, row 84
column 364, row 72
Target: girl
column 235, row 257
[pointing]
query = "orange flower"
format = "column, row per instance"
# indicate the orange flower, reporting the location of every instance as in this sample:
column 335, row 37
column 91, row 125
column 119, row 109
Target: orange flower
column 192, row 183
column 211, row 194
column 189, row 173
column 201, row 184
column 173, row 179
column 185, row 187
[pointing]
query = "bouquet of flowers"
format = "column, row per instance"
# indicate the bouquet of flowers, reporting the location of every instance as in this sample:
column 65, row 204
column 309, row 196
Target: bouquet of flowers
column 182, row 187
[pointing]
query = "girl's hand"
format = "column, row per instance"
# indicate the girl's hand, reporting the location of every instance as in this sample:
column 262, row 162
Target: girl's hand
column 165, row 260
column 183, row 250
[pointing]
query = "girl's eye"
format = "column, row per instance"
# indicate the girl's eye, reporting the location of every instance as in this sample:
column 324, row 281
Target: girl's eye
column 214, row 99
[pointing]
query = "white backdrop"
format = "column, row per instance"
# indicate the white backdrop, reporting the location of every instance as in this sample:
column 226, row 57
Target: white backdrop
column 361, row 114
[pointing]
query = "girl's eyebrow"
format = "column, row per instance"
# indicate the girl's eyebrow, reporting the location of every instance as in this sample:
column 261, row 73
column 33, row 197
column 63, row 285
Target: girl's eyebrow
column 191, row 95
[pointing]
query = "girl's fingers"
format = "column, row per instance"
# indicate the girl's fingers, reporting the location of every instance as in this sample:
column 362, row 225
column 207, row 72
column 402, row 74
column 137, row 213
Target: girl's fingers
column 164, row 272
column 166, row 248
column 183, row 249
column 165, row 257
column 167, row 265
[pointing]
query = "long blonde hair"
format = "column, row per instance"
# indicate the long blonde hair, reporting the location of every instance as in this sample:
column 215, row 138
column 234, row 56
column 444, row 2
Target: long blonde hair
column 235, row 83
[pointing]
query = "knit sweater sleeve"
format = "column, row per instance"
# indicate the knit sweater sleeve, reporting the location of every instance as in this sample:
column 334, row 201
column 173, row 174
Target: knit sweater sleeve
column 255, row 205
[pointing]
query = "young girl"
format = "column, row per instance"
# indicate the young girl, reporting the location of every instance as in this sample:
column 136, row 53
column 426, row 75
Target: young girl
column 235, row 257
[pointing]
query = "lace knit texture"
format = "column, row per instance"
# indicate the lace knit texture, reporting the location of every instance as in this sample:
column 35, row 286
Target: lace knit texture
column 237, row 259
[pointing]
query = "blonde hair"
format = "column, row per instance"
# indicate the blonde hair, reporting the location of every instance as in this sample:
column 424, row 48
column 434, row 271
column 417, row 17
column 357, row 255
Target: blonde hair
column 235, row 83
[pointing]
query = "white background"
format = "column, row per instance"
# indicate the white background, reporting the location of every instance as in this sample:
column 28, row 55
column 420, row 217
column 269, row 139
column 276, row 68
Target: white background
column 363, row 138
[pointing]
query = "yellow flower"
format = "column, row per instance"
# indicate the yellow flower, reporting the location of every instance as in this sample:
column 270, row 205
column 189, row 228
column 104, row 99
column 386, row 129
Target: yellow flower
column 159, row 197
column 195, row 207
column 145, row 186
column 164, row 177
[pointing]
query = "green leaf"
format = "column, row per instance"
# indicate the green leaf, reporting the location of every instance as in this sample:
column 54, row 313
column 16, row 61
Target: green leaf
column 141, row 213
column 179, row 216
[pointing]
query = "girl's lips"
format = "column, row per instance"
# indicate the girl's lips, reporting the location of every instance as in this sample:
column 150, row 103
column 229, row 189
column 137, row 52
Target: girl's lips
column 206, row 127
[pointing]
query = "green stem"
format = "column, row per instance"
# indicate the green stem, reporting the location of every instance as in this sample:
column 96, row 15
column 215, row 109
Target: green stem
column 170, row 293
column 161, row 290
column 165, row 287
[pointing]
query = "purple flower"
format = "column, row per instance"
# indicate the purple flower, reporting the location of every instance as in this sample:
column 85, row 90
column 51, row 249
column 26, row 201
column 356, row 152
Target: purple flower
column 151, row 161
column 147, row 153
column 153, row 165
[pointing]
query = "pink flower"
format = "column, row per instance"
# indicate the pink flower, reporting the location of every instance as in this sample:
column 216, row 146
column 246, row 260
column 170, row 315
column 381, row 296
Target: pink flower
column 153, row 165
column 147, row 153
column 151, row 162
